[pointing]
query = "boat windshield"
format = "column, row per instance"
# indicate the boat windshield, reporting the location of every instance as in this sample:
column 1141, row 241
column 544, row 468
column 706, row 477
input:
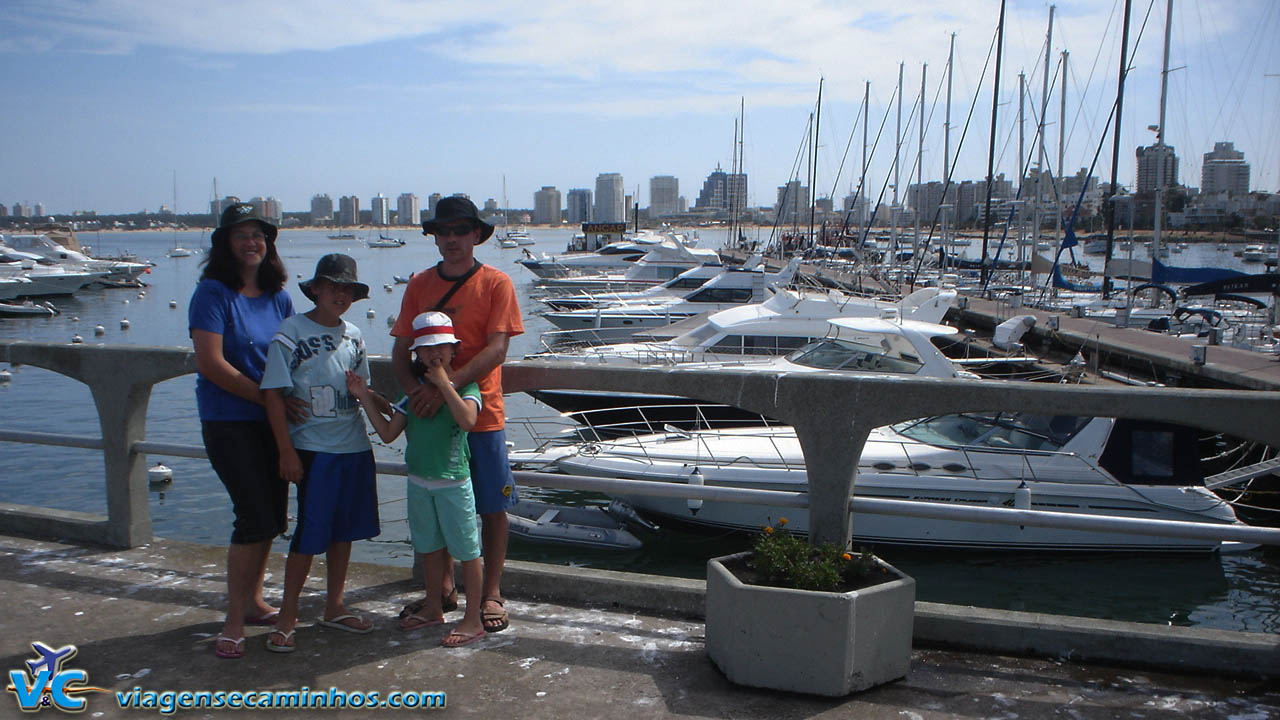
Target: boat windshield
column 869, row 353
column 995, row 430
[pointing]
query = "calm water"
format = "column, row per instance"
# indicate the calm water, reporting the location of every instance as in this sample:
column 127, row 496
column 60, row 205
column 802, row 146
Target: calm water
column 1239, row 592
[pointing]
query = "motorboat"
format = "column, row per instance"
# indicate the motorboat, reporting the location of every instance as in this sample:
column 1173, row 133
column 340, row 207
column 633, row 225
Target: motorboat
column 45, row 276
column 1253, row 253
column 507, row 243
column 589, row 527
column 342, row 236
column 615, row 323
column 43, row 245
column 677, row 286
column 27, row 309
column 614, row 256
column 663, row 262
column 1095, row 466
column 851, row 344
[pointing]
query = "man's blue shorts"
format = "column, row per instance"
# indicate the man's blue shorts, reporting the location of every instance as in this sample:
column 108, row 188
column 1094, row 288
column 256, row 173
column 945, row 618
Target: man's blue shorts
column 491, row 478
column 337, row 500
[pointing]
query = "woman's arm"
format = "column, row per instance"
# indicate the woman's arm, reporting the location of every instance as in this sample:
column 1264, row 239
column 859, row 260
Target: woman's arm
column 211, row 364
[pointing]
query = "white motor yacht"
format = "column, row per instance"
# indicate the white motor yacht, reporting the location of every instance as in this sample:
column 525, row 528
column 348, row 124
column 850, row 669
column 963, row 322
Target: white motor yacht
column 44, row 246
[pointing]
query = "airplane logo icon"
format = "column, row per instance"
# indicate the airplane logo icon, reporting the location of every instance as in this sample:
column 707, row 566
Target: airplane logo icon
column 50, row 658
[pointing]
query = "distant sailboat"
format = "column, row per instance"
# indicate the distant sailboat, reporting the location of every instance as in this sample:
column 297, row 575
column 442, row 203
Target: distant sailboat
column 176, row 251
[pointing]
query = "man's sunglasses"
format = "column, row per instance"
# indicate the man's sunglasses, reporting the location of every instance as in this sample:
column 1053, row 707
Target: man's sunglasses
column 445, row 231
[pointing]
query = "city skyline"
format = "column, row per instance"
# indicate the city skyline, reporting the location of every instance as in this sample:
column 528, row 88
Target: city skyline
column 394, row 97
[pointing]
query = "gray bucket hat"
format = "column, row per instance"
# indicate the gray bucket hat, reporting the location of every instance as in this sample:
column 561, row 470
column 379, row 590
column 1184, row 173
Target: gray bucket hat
column 237, row 213
column 336, row 268
column 455, row 208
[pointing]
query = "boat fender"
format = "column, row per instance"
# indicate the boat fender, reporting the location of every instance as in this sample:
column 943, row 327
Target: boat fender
column 695, row 479
column 1022, row 496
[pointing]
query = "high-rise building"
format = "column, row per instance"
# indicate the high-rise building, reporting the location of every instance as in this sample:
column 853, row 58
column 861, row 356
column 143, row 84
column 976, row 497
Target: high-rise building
column 348, row 210
column 217, row 206
column 407, row 212
column 432, row 199
column 610, row 204
column 664, row 196
column 546, row 206
column 1224, row 171
column 578, row 206
column 269, row 207
column 4, row 210
column 490, row 206
column 39, row 209
column 321, row 209
column 1156, row 161
column 723, row 191
column 380, row 210
column 793, row 202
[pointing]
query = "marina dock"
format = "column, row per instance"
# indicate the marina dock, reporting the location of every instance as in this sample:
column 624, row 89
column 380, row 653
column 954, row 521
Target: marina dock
column 579, row 645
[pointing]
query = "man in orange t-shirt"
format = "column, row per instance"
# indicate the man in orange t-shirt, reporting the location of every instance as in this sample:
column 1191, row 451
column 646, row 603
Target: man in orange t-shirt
column 481, row 301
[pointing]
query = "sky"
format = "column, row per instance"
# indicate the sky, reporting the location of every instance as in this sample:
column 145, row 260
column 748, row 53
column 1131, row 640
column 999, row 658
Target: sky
column 121, row 105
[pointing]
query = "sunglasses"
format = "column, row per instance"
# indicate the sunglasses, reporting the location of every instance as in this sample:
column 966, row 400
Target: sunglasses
column 445, row 231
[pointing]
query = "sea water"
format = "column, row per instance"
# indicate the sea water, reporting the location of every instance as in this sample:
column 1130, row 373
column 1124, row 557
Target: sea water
column 1235, row 591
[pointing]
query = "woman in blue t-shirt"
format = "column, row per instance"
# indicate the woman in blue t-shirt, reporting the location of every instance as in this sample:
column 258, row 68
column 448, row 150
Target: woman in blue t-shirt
column 232, row 315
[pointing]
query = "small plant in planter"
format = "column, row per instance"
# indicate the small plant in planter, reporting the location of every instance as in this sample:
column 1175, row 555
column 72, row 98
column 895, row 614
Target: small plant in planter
column 772, row 612
column 781, row 559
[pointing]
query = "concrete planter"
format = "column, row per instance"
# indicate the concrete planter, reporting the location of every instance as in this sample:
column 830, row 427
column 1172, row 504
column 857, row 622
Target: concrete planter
column 820, row 643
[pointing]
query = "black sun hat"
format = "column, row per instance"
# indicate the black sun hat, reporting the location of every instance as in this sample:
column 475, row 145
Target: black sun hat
column 237, row 213
column 455, row 208
column 336, row 268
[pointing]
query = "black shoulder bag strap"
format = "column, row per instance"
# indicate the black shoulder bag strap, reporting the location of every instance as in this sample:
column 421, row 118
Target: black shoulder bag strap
column 457, row 283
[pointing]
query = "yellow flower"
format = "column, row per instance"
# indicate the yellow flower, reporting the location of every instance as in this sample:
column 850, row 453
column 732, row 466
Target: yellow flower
column 768, row 531
column 782, row 521
column 847, row 556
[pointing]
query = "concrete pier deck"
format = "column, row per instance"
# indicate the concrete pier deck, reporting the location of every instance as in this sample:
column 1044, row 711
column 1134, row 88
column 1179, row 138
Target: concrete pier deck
column 146, row 617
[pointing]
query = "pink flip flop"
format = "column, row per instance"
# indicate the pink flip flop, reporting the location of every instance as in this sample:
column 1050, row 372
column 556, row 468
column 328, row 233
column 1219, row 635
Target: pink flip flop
column 466, row 639
column 409, row 623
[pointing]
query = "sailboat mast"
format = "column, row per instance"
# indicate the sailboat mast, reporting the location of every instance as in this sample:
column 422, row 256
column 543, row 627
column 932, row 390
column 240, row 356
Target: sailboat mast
column 897, row 153
column 991, row 149
column 862, row 182
column 946, row 147
column 813, row 166
column 915, row 211
column 1115, row 150
column 1062, row 135
column 1044, row 111
column 1164, row 96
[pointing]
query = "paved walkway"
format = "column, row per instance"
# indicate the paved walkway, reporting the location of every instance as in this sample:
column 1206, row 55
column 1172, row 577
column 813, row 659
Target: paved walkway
column 146, row 617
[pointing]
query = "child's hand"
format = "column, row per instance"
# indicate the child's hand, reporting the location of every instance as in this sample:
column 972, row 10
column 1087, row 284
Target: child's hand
column 357, row 386
column 291, row 467
column 438, row 374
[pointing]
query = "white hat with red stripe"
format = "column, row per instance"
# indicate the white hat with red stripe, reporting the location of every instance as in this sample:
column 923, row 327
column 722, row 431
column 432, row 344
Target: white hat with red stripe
column 432, row 328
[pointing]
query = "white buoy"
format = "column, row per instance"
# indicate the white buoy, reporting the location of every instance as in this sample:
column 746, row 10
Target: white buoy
column 141, row 295
column 387, row 287
column 76, row 339
column 160, row 474
column 695, row 480
column 75, row 318
column 126, row 302
column 371, row 314
column 173, row 304
column 99, row 330
column 124, row 324
column 1022, row 496
column 5, row 376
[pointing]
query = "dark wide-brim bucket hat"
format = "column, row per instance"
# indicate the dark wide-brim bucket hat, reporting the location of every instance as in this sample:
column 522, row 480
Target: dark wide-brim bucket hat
column 340, row 269
column 237, row 213
column 453, row 209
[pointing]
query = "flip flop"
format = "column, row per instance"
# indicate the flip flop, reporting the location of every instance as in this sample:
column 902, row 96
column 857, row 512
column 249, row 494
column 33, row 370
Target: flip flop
column 448, row 603
column 235, row 654
column 465, row 639
column 279, row 647
column 487, row 616
column 409, row 623
column 338, row 624
column 268, row 619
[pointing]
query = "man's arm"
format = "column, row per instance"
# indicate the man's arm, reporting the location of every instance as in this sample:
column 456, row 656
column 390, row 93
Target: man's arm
column 493, row 355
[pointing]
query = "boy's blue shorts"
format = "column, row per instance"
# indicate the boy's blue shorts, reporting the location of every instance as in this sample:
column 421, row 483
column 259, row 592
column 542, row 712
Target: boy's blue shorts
column 337, row 500
column 491, row 478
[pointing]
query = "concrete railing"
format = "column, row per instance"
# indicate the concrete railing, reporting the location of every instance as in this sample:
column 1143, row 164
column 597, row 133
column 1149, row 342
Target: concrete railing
column 833, row 416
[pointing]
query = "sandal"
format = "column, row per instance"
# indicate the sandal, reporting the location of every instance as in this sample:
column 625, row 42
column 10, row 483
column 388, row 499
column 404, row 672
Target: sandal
column 448, row 603
column 281, row 647
column 237, row 648
column 458, row 639
column 409, row 623
column 502, row 622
